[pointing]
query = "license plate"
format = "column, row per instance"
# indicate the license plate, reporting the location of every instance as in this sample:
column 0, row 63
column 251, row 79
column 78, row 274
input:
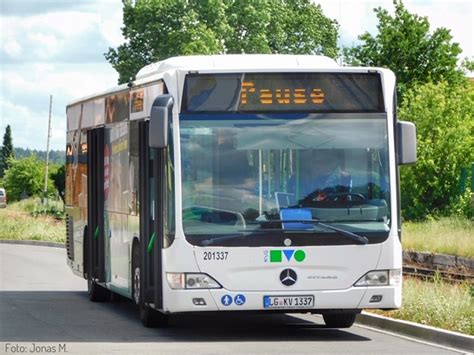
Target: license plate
column 287, row 302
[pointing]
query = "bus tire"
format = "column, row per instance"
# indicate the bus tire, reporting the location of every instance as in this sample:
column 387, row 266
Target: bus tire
column 148, row 316
column 151, row 318
column 96, row 292
column 339, row 320
column 136, row 273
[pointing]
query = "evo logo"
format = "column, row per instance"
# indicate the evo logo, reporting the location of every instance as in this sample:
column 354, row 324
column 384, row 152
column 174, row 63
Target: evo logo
column 279, row 256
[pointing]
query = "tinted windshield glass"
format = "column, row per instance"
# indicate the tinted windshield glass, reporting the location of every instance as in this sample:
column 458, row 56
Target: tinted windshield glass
column 273, row 176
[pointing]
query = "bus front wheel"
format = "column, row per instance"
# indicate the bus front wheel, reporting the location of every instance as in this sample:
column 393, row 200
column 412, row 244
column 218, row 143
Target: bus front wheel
column 148, row 316
column 151, row 318
column 96, row 292
column 339, row 320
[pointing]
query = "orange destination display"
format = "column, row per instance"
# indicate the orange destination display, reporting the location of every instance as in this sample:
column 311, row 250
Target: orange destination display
column 287, row 92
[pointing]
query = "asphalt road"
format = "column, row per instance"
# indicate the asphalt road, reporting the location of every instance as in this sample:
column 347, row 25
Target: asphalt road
column 44, row 309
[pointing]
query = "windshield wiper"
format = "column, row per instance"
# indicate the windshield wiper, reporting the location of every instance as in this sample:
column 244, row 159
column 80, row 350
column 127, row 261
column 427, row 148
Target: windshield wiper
column 317, row 222
column 210, row 241
column 356, row 237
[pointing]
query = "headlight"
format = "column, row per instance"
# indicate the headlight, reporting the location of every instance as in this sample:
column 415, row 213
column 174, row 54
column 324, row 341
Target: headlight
column 380, row 278
column 179, row 281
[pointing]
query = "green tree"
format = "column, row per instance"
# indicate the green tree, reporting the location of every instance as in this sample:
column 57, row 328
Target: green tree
column 285, row 27
column 7, row 151
column 25, row 177
column 55, row 156
column 405, row 45
column 467, row 65
column 444, row 118
column 157, row 29
column 58, row 176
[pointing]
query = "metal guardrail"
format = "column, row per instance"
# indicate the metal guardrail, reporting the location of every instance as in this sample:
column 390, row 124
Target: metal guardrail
column 429, row 274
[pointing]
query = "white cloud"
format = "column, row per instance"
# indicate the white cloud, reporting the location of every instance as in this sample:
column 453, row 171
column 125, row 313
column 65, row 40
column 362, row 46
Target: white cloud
column 356, row 17
column 455, row 15
column 61, row 35
column 15, row 81
column 24, row 8
column 28, row 127
column 56, row 52
column 69, row 81
column 110, row 27
column 65, row 23
column 25, row 101
column 12, row 48
column 46, row 45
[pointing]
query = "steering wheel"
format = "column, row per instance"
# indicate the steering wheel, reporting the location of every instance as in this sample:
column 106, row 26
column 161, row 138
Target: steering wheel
column 337, row 196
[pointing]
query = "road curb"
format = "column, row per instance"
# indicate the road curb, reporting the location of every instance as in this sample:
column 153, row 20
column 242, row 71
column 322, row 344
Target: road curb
column 419, row 331
column 33, row 242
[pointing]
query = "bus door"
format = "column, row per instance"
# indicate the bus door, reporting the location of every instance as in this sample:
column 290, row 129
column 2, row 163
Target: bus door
column 94, row 247
column 151, row 219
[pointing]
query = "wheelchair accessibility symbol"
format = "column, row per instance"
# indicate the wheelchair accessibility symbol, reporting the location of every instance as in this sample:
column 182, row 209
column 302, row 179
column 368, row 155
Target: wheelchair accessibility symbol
column 239, row 300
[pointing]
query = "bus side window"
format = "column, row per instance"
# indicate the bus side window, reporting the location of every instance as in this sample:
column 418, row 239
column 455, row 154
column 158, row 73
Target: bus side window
column 133, row 169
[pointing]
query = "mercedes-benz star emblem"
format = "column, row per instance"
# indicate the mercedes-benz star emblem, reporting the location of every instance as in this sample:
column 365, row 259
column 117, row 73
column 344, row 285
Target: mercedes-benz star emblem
column 288, row 277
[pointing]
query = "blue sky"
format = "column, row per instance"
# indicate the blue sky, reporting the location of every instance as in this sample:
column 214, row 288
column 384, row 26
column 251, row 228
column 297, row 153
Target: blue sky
column 56, row 47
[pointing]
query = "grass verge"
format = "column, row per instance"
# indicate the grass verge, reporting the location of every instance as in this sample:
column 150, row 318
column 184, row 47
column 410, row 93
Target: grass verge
column 437, row 304
column 453, row 236
column 18, row 223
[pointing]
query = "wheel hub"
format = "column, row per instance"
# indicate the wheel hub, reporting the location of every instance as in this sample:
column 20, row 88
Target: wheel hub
column 136, row 284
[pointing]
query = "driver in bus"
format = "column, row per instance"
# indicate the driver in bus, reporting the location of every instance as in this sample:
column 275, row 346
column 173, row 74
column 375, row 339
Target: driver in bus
column 323, row 179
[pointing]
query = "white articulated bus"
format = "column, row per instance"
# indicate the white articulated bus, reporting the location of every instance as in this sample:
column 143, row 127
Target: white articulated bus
column 240, row 183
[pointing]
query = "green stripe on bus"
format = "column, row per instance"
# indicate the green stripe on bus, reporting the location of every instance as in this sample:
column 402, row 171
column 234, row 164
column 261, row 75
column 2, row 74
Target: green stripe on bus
column 96, row 234
column 149, row 248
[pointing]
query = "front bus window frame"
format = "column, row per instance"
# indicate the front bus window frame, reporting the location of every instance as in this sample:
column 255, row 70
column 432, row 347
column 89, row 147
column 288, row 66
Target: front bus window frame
column 227, row 97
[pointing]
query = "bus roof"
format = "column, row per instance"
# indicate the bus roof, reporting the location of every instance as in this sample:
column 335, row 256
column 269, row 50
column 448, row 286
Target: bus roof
column 238, row 62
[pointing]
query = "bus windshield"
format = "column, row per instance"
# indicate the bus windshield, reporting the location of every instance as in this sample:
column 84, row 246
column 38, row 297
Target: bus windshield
column 261, row 180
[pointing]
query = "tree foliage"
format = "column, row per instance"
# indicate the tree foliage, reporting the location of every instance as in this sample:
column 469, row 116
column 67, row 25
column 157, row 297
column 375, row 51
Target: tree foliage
column 405, row 45
column 25, row 177
column 55, row 156
column 58, row 176
column 7, row 151
column 158, row 29
column 444, row 118
column 277, row 26
column 467, row 65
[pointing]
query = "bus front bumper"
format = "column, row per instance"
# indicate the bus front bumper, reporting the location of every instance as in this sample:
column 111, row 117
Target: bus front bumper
column 382, row 297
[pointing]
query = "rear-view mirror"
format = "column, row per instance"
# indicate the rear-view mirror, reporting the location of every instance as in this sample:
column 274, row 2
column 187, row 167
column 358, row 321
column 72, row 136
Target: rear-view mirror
column 160, row 116
column 406, row 143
